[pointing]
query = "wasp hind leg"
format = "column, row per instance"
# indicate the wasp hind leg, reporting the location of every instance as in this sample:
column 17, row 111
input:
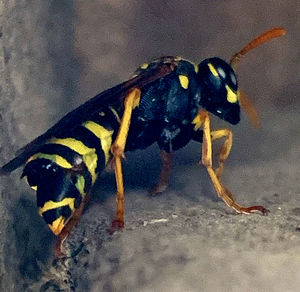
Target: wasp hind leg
column 221, row 190
column 165, row 172
column 131, row 101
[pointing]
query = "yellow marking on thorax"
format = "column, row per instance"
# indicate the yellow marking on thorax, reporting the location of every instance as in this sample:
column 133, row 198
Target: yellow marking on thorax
column 144, row 66
column 89, row 155
column 59, row 160
column 232, row 96
column 115, row 114
column 196, row 68
column 104, row 135
column 49, row 205
column 184, row 81
column 213, row 70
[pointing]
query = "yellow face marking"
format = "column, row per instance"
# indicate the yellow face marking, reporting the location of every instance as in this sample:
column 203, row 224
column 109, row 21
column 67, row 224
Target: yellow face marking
column 144, row 66
column 53, row 157
column 197, row 121
column 104, row 135
column 49, row 205
column 80, row 185
column 213, row 70
column 232, row 96
column 115, row 114
column 184, row 81
column 102, row 114
column 57, row 225
column 196, row 68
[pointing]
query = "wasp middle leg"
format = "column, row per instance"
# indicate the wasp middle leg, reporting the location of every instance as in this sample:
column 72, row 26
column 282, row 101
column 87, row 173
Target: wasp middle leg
column 225, row 149
column 165, row 173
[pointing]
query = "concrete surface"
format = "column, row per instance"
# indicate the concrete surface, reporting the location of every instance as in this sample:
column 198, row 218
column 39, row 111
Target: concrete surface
column 184, row 239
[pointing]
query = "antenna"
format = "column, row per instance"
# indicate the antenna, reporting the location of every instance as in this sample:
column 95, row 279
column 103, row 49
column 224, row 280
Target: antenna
column 244, row 100
column 263, row 38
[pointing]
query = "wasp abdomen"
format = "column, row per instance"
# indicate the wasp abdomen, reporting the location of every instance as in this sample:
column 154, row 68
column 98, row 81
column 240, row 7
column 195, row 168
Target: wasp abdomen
column 64, row 169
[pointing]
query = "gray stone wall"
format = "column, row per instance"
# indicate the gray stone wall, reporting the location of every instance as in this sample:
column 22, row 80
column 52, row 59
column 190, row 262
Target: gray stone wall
column 56, row 54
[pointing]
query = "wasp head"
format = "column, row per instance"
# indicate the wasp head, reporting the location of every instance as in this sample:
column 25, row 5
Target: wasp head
column 57, row 192
column 219, row 89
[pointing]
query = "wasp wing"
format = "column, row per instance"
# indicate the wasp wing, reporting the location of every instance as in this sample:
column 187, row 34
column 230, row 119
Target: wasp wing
column 74, row 118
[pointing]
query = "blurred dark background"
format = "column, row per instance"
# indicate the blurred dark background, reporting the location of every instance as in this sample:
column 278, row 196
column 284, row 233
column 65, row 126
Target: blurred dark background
column 57, row 54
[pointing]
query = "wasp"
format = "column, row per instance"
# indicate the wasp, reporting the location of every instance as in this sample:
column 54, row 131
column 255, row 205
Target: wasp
column 167, row 101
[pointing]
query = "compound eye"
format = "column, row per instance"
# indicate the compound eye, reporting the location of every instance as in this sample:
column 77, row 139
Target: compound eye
column 221, row 72
column 233, row 79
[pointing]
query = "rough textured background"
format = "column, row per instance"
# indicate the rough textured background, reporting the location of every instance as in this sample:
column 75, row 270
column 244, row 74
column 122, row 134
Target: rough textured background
column 58, row 54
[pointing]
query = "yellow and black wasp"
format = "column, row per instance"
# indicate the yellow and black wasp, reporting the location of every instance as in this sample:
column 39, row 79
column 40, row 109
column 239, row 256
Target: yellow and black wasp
column 168, row 101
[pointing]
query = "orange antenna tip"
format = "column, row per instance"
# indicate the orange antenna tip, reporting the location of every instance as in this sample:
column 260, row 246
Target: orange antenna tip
column 263, row 38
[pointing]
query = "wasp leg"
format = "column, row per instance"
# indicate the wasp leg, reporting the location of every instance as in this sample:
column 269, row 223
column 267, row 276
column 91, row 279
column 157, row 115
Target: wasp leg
column 131, row 101
column 165, row 172
column 69, row 226
column 222, row 191
column 225, row 149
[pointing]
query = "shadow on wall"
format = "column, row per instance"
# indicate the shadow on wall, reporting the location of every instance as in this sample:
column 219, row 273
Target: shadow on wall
column 34, row 244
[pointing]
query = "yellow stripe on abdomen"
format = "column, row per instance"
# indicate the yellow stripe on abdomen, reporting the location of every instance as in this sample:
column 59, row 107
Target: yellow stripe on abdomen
column 89, row 155
column 59, row 160
column 73, row 144
column 104, row 135
column 80, row 184
column 49, row 205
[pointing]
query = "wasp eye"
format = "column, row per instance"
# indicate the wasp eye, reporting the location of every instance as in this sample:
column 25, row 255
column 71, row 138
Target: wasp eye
column 222, row 73
column 233, row 79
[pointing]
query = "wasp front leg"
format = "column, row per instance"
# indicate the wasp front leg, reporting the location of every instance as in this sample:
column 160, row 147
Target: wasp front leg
column 131, row 101
column 215, row 135
column 225, row 149
column 221, row 190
